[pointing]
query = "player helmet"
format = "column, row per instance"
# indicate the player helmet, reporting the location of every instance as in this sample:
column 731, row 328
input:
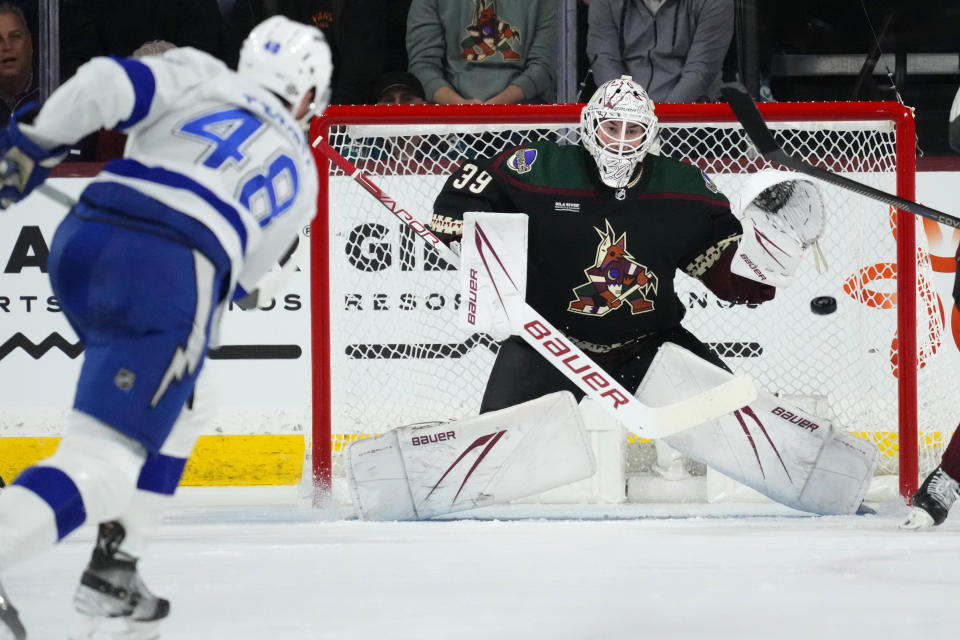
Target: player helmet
column 618, row 127
column 290, row 59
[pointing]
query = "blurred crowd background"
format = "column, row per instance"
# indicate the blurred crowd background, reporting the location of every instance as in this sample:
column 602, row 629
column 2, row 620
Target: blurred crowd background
column 530, row 51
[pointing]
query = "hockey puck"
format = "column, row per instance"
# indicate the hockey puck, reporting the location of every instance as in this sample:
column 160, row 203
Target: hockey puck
column 822, row 305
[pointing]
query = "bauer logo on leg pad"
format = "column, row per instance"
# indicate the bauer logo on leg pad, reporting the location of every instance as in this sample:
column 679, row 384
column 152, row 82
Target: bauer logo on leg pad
column 793, row 418
column 433, row 437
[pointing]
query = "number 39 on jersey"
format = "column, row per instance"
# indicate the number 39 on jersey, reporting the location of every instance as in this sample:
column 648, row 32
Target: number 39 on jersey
column 472, row 178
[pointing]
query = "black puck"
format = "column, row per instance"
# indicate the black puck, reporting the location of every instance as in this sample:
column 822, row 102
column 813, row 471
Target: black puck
column 822, row 305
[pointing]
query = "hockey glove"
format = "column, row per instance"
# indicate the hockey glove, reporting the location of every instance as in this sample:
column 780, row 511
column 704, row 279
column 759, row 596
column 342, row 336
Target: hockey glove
column 23, row 163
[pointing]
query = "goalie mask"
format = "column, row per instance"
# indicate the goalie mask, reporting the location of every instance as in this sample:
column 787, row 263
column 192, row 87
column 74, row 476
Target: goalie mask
column 618, row 128
column 291, row 60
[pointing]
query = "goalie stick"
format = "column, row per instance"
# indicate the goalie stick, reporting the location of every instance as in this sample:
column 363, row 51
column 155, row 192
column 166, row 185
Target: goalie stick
column 646, row 421
column 749, row 116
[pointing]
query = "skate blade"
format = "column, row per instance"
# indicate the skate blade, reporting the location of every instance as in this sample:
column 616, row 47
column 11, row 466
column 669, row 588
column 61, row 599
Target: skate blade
column 917, row 520
column 88, row 627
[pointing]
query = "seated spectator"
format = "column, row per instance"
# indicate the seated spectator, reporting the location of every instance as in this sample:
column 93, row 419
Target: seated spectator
column 398, row 87
column 674, row 49
column 483, row 51
column 18, row 86
column 153, row 48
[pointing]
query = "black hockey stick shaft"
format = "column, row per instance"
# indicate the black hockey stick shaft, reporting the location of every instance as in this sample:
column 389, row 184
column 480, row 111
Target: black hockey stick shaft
column 749, row 116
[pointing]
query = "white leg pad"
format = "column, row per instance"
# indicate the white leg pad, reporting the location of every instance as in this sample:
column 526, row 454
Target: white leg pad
column 798, row 459
column 608, row 439
column 419, row 472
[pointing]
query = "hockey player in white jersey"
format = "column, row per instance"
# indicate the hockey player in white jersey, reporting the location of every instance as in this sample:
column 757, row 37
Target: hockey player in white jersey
column 216, row 182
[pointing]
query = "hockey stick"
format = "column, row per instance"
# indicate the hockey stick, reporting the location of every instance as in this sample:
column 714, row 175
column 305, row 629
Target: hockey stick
column 646, row 421
column 56, row 195
column 749, row 116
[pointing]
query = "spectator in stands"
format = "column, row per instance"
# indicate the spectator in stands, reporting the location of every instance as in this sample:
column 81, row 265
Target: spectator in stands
column 153, row 48
column 483, row 51
column 117, row 27
column 674, row 48
column 366, row 39
column 399, row 87
column 18, row 85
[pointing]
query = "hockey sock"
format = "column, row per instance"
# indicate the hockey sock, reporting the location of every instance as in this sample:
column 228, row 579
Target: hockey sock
column 91, row 476
column 951, row 457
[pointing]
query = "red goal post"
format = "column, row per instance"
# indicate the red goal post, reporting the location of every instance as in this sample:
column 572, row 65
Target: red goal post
column 385, row 351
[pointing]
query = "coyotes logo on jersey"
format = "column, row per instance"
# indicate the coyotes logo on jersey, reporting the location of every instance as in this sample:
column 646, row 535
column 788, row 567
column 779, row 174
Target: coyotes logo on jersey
column 615, row 278
column 489, row 35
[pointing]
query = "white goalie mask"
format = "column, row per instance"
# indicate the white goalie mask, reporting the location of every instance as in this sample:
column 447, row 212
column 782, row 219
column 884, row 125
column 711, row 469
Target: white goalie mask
column 291, row 60
column 618, row 127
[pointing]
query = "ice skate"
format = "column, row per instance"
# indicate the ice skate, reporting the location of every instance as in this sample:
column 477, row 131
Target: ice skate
column 112, row 601
column 932, row 501
column 10, row 626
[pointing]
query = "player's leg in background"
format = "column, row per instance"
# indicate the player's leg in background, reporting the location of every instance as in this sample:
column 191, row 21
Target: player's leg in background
column 939, row 490
column 142, row 306
column 932, row 501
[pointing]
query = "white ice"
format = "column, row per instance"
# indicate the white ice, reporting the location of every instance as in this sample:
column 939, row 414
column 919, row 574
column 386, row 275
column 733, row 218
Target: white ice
column 241, row 564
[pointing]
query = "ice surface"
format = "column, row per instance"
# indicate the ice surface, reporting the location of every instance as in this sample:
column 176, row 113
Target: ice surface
column 243, row 564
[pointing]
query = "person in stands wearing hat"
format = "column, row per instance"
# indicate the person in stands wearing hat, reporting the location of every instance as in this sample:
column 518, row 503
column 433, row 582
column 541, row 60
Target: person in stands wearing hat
column 398, row 87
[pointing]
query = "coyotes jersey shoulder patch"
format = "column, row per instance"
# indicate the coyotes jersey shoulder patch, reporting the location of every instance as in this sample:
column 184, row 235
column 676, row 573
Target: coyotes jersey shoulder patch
column 521, row 161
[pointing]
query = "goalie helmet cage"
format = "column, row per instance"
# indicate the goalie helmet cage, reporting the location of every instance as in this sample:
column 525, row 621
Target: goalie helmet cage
column 386, row 349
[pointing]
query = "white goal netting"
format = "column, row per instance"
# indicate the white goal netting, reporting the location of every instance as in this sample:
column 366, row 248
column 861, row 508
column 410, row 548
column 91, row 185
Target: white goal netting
column 395, row 353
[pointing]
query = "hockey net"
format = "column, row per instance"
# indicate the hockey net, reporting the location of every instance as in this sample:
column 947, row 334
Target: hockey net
column 387, row 350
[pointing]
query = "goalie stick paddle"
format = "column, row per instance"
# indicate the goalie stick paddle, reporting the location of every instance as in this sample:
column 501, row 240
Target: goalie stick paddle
column 749, row 116
column 646, row 421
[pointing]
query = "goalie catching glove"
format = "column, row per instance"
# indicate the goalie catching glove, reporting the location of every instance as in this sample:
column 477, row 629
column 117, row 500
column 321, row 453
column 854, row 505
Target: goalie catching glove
column 24, row 164
column 782, row 214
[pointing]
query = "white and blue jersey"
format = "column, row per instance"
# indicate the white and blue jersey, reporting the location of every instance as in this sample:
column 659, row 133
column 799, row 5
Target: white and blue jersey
column 202, row 140
column 216, row 182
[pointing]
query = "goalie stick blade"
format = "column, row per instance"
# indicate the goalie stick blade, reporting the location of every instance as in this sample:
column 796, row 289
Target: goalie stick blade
column 745, row 109
column 701, row 408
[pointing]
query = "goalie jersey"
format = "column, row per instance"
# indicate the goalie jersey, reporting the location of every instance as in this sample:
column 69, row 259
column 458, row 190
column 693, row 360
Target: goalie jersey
column 601, row 261
column 223, row 157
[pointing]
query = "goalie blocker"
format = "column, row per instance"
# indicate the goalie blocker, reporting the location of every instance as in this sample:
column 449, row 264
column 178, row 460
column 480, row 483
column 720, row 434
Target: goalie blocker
column 421, row 471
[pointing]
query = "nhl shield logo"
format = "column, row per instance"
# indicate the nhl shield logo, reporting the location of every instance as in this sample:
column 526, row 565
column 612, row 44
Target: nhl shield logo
column 522, row 160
